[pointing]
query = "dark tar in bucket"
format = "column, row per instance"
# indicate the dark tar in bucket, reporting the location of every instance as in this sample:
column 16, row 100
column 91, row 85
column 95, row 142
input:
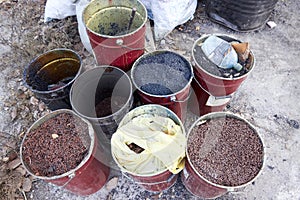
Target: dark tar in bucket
column 163, row 77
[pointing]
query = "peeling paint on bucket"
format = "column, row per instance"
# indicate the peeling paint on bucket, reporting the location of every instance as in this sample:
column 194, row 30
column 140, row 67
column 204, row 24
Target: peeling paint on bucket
column 114, row 39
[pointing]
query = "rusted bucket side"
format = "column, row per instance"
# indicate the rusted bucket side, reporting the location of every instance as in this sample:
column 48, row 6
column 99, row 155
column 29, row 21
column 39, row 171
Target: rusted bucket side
column 88, row 177
column 217, row 85
column 114, row 48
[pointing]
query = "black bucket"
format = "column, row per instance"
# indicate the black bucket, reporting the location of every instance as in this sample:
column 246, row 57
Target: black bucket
column 240, row 15
column 51, row 75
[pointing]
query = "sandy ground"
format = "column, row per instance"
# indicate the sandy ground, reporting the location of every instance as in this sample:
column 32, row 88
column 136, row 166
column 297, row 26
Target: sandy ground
column 268, row 99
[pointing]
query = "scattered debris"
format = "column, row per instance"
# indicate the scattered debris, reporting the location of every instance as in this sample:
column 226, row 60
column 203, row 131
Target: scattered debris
column 271, row 24
column 293, row 123
column 112, row 183
column 27, row 184
column 34, row 101
column 14, row 164
column 13, row 113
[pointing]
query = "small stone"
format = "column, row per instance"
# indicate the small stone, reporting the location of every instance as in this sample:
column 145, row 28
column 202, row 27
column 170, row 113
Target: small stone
column 183, row 36
column 27, row 184
column 34, row 101
column 163, row 42
column 271, row 24
column 13, row 155
column 35, row 114
column 5, row 159
column 14, row 164
column 112, row 183
column 13, row 113
column 293, row 123
column 21, row 170
column 42, row 106
column 54, row 136
column 197, row 28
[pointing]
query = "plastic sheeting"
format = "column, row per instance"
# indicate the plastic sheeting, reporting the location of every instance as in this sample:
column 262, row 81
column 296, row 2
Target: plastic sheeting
column 167, row 14
column 162, row 141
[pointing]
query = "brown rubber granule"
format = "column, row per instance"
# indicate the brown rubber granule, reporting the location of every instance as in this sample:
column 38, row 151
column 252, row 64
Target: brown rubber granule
column 225, row 151
column 56, row 146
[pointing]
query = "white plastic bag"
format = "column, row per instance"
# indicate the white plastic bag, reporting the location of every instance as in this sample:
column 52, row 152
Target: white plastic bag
column 59, row 9
column 167, row 14
column 81, row 28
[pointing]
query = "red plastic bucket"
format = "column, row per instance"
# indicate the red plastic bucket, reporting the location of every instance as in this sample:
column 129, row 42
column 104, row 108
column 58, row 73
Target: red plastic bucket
column 217, row 85
column 155, row 181
column 202, row 102
column 106, row 24
column 197, row 184
column 88, row 177
column 177, row 99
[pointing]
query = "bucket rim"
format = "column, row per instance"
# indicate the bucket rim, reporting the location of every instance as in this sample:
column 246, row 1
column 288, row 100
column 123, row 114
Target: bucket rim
column 214, row 115
column 173, row 116
column 71, row 172
column 128, row 102
column 119, row 36
column 135, row 64
column 215, row 76
column 57, row 89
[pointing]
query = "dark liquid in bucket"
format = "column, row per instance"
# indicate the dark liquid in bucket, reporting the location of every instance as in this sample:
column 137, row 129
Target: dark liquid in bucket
column 54, row 74
column 114, row 21
column 162, row 74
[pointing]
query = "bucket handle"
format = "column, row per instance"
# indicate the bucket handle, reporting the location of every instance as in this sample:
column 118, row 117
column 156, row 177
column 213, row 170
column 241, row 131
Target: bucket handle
column 141, row 183
column 173, row 98
column 120, row 42
column 71, row 176
column 217, row 97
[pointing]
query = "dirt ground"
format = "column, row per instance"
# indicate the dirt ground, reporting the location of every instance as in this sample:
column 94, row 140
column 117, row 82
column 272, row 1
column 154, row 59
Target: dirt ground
column 268, row 99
